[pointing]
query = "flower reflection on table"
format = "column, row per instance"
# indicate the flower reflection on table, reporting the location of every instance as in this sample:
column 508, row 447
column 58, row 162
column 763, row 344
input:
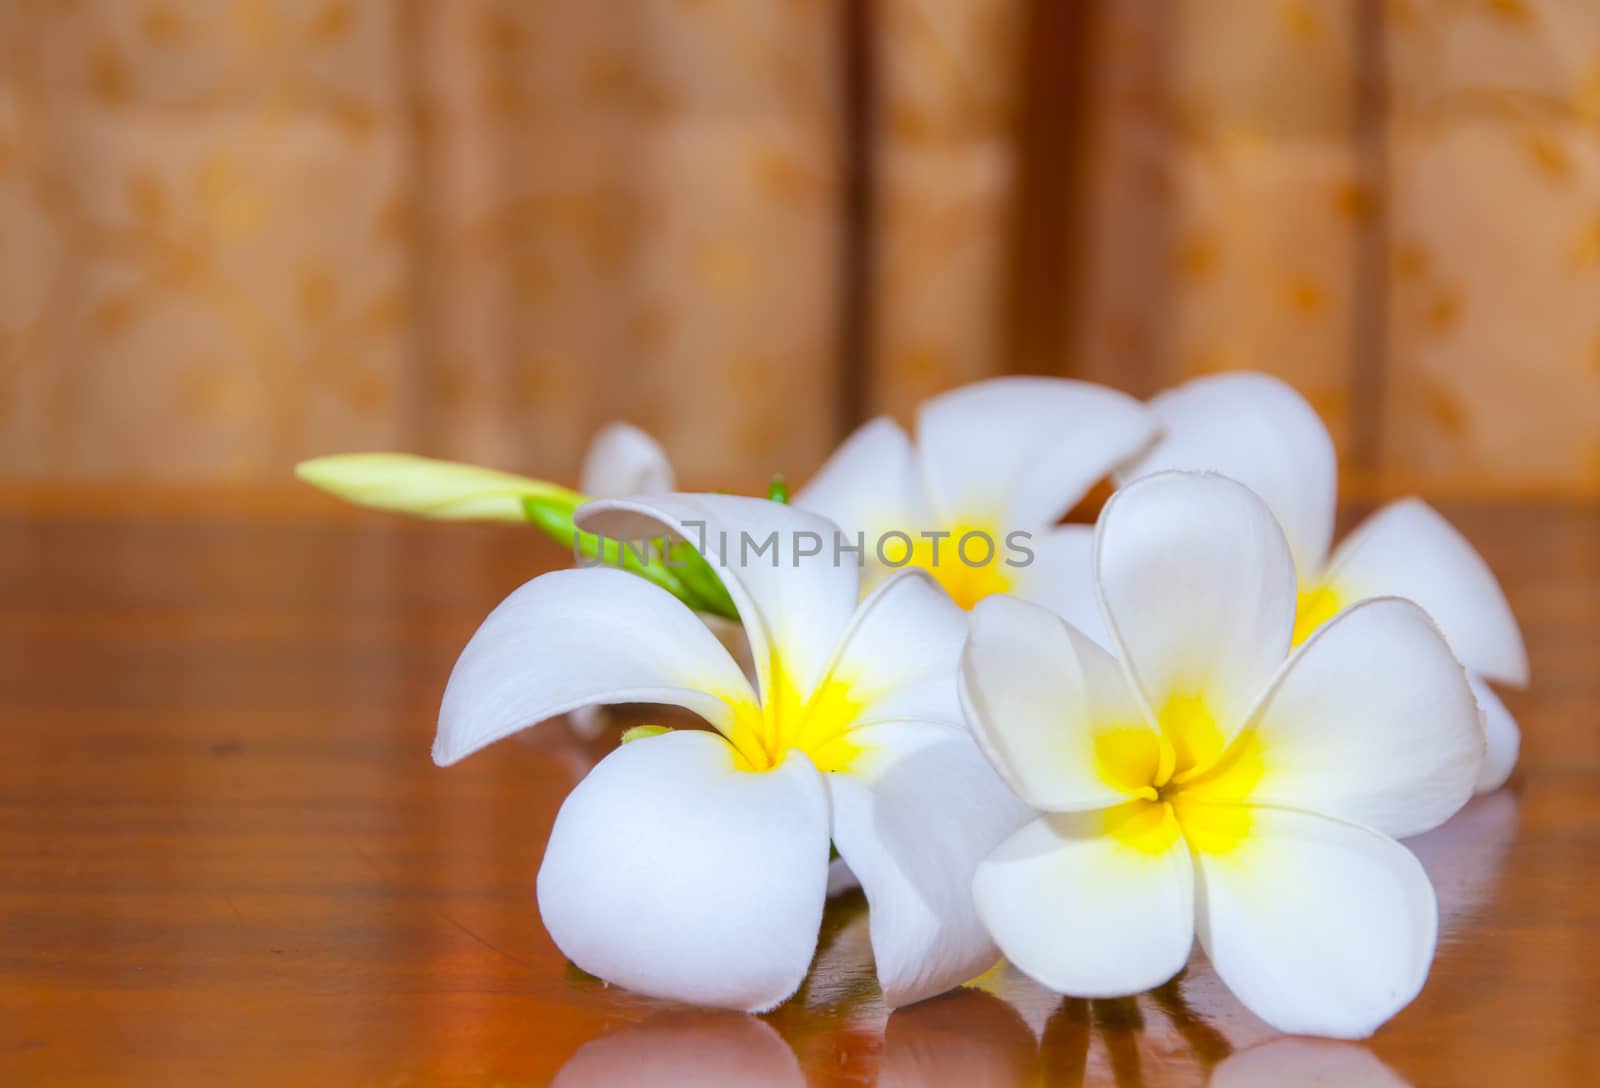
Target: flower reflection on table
column 1006, row 1029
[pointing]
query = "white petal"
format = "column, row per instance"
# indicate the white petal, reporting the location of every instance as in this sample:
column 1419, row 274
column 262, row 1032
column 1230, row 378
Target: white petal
column 1060, row 577
column 793, row 604
column 1021, row 451
column 1037, row 693
column 1256, row 429
column 576, row 638
column 898, row 659
column 1085, row 913
column 914, row 815
column 1408, row 549
column 1199, row 591
column 1502, row 738
column 671, row 872
column 621, row 461
column 1372, row 722
column 871, row 484
column 685, row 1050
column 1319, row 927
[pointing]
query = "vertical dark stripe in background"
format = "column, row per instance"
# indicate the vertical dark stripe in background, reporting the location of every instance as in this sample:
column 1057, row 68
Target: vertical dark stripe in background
column 1370, row 267
column 1041, row 298
column 857, row 181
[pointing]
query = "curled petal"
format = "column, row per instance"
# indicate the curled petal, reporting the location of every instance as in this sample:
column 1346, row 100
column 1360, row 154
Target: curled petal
column 871, row 484
column 1050, row 708
column 1199, row 591
column 776, row 562
column 1022, row 450
column 1408, row 549
column 1060, row 577
column 576, row 638
column 1258, row 430
column 1318, row 926
column 1372, row 721
column 623, row 460
column 1090, row 911
column 914, row 815
column 898, row 658
column 674, row 873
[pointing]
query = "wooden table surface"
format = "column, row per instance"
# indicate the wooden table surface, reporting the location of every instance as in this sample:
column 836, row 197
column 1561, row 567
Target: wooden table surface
column 225, row 857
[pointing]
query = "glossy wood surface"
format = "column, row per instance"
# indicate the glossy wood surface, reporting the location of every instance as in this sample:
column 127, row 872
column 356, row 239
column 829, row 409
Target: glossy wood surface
column 225, row 857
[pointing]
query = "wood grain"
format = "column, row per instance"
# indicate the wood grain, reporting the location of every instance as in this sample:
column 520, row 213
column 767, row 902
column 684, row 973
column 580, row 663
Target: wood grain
column 226, row 858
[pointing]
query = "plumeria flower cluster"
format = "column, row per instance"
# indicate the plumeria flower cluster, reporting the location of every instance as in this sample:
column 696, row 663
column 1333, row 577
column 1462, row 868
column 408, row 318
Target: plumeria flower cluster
column 1084, row 747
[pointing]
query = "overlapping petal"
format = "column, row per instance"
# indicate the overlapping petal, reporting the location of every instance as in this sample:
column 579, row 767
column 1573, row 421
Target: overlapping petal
column 898, row 658
column 1036, row 692
column 1086, row 913
column 1258, row 430
column 1407, row 549
column 786, row 598
column 577, row 638
column 914, row 815
column 1199, row 591
column 1372, row 721
column 1320, row 927
column 1060, row 576
column 623, row 460
column 1019, row 452
column 871, row 484
column 673, row 873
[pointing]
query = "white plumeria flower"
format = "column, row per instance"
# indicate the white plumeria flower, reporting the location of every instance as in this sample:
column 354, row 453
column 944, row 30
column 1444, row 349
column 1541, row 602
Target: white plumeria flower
column 693, row 865
column 1259, row 431
column 1198, row 783
column 1009, row 455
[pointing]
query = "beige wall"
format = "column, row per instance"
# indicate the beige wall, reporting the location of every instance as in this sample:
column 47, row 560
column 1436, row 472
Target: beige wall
column 233, row 235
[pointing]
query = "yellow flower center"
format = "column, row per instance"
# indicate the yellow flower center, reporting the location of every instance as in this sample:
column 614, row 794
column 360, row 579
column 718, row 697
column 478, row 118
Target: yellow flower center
column 1315, row 606
column 818, row 725
column 1179, row 780
column 969, row 562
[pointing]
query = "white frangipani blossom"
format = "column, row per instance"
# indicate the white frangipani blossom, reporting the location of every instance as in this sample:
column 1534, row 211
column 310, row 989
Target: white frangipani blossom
column 1006, row 456
column 1256, row 429
column 693, row 865
column 1204, row 781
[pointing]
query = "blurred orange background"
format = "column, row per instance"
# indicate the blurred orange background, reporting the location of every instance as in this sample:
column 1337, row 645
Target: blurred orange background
column 238, row 234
